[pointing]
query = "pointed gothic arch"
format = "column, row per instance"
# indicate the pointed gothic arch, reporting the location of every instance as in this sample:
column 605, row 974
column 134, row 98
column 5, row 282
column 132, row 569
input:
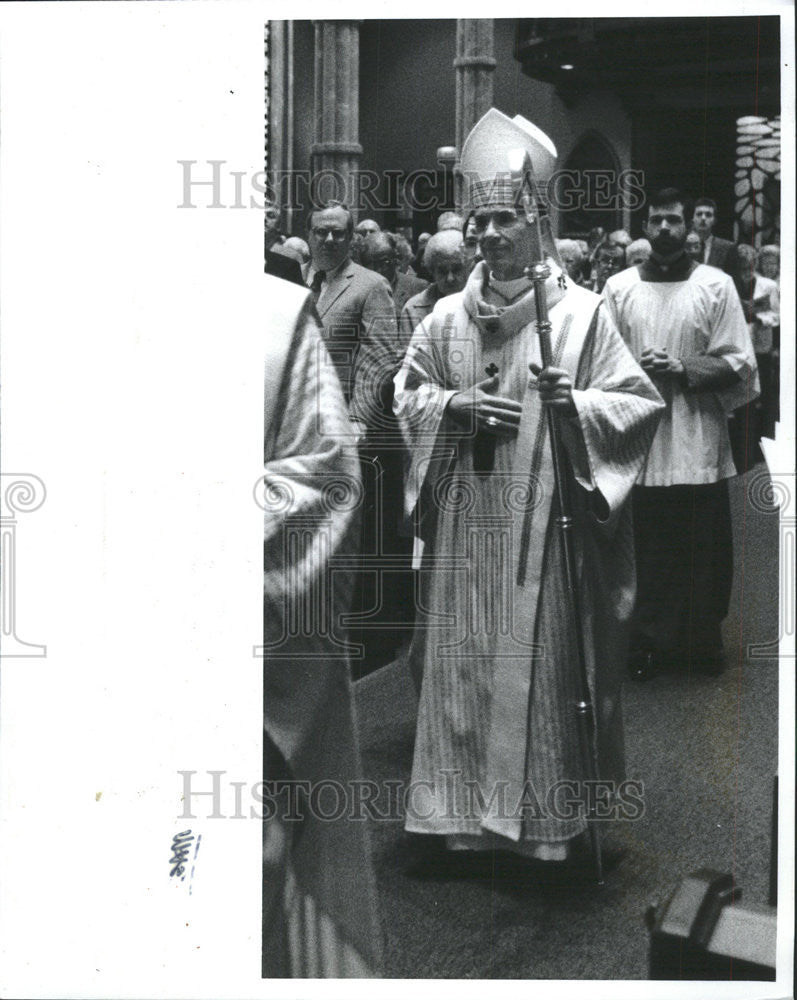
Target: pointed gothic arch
column 588, row 189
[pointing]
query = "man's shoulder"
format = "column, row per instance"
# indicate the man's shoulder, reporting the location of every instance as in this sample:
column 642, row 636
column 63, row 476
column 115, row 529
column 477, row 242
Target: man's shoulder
column 365, row 279
column 412, row 284
column 621, row 282
column 424, row 299
column 449, row 304
column 712, row 277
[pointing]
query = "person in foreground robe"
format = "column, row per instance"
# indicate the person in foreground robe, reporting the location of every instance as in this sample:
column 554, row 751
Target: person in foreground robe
column 684, row 322
column 319, row 903
column 494, row 652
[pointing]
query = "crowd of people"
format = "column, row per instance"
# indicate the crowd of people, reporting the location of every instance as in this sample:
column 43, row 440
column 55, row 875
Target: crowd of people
column 456, row 410
column 589, row 263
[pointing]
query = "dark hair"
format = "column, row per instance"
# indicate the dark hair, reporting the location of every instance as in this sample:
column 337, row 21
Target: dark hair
column 333, row 204
column 669, row 196
column 709, row 202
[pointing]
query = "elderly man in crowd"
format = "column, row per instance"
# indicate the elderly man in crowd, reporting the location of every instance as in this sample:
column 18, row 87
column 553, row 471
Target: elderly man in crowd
column 609, row 259
column 769, row 262
column 637, row 252
column 278, row 263
column 693, row 247
column 360, row 329
column 760, row 298
column 716, row 251
column 619, row 238
column 367, row 227
column 357, row 313
column 573, row 259
column 380, row 253
column 496, row 655
column 448, row 265
column 684, row 323
column 404, row 251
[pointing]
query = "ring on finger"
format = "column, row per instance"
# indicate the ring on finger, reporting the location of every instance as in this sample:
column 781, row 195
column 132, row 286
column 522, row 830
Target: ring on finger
column 491, row 421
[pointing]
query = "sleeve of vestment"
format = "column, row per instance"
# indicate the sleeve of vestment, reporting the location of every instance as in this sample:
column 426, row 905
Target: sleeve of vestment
column 703, row 373
column 422, row 392
column 618, row 411
column 729, row 339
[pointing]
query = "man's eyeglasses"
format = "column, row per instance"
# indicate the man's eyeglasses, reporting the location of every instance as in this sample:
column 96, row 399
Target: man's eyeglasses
column 338, row 235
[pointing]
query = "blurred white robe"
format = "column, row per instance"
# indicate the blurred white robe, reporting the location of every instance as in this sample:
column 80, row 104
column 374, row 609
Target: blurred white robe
column 319, row 901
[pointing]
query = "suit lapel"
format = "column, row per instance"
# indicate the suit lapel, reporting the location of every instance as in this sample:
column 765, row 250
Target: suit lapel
column 334, row 290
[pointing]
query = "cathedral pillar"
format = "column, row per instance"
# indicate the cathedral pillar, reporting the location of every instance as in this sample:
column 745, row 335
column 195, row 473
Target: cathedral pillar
column 474, row 64
column 336, row 150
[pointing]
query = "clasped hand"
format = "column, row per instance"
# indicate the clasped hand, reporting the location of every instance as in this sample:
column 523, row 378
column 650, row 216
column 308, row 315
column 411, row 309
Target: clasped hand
column 655, row 361
column 478, row 407
column 555, row 388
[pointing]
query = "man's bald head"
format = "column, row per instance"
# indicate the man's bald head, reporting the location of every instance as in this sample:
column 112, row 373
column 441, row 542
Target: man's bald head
column 367, row 227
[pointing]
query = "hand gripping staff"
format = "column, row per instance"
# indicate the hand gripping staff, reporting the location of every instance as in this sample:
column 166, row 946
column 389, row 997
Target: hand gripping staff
column 539, row 272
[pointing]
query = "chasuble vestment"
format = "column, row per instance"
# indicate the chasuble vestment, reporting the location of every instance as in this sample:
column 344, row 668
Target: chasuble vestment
column 493, row 641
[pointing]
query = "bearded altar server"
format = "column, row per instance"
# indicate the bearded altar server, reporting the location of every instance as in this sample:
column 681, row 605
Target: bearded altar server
column 493, row 650
column 319, row 899
column 684, row 322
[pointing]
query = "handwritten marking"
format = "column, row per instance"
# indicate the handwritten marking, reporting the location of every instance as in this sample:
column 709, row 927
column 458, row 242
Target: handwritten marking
column 181, row 850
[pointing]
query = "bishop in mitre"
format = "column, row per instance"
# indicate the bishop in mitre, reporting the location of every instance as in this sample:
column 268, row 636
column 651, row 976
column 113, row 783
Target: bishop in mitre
column 496, row 761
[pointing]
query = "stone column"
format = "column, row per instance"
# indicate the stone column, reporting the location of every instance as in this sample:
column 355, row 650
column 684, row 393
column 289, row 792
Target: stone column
column 279, row 111
column 336, row 151
column 474, row 64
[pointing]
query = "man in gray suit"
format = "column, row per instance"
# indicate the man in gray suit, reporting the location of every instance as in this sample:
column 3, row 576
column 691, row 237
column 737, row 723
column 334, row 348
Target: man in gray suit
column 358, row 316
column 716, row 251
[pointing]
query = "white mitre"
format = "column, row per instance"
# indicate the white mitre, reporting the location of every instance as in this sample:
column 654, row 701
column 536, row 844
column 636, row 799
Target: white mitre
column 502, row 157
